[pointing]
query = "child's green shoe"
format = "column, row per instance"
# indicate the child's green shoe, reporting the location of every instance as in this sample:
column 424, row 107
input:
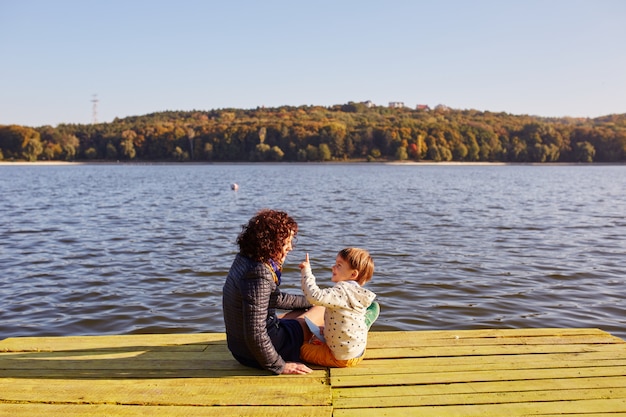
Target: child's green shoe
column 371, row 314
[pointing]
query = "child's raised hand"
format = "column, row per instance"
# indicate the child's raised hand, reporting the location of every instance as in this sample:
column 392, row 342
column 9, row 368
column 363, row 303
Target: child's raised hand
column 305, row 263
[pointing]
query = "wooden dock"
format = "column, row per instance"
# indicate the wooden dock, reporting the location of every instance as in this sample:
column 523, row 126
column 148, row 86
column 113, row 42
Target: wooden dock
column 546, row 372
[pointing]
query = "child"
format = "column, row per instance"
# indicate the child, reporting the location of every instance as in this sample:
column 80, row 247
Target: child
column 350, row 310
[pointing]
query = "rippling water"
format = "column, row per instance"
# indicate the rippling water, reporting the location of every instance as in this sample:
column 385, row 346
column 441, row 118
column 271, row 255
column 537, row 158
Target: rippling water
column 107, row 249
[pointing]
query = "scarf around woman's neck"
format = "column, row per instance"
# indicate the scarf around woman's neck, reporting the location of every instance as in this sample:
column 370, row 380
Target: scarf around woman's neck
column 275, row 269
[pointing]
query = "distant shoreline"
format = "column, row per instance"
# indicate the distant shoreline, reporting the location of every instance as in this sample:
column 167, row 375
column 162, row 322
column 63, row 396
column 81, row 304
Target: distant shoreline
column 40, row 163
column 406, row 163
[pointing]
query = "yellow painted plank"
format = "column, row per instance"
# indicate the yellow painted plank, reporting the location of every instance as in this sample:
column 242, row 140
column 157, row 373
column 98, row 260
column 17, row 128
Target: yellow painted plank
column 442, row 399
column 25, row 344
column 476, row 341
column 410, row 364
column 70, row 410
column 583, row 415
column 473, row 376
column 398, row 366
column 492, row 332
column 119, row 364
column 441, row 351
column 493, row 410
column 136, row 374
column 357, row 393
column 259, row 391
column 410, row 338
column 131, row 373
column 136, row 354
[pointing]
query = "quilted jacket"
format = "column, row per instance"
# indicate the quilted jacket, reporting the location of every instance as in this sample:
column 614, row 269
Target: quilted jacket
column 249, row 300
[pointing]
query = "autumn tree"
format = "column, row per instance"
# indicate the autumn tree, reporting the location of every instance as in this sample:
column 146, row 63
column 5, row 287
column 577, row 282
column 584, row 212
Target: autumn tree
column 19, row 142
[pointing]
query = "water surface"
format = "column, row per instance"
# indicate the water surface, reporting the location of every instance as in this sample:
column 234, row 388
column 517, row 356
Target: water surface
column 119, row 249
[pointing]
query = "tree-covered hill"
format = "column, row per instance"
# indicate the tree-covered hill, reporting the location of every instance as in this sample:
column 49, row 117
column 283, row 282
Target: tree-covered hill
column 352, row 131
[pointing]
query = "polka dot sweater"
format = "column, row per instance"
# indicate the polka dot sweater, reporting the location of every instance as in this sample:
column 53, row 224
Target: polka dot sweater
column 344, row 320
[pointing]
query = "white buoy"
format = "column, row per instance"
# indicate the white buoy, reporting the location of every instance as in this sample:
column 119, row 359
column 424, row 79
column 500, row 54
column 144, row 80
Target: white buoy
column 234, row 186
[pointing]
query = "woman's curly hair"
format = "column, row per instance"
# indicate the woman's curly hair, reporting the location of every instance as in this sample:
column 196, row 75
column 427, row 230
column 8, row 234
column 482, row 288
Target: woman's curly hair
column 265, row 235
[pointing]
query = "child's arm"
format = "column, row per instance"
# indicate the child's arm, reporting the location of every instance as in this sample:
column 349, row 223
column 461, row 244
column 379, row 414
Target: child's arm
column 328, row 297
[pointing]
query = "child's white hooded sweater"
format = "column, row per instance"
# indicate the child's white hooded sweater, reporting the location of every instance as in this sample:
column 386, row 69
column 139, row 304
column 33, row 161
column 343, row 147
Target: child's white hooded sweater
column 344, row 320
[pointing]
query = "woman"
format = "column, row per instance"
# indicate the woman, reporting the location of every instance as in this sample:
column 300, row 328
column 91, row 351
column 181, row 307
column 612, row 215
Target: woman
column 256, row 336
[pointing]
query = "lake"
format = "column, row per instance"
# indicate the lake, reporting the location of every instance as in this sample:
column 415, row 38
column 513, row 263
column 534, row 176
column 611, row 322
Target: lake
column 144, row 248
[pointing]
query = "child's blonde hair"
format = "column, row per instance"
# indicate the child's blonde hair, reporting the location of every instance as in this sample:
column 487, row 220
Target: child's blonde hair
column 360, row 260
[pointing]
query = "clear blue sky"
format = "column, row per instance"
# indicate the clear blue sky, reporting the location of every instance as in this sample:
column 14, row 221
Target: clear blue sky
column 538, row 57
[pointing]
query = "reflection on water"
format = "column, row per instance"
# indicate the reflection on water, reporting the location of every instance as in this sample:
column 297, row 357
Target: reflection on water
column 104, row 249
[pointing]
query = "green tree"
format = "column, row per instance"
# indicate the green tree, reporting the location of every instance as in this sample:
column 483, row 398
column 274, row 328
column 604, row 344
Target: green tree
column 111, row 152
column 490, row 148
column 32, row 148
column 517, row 150
column 11, row 139
column 542, row 142
column 584, row 152
column 302, row 155
column 473, row 150
column 459, row 151
column 127, row 144
column 261, row 152
column 324, row 152
column 335, row 135
column 402, row 154
column 51, row 151
column 91, row 153
column 208, row 151
column 276, row 154
column 312, row 153
column 69, row 146
column 180, row 155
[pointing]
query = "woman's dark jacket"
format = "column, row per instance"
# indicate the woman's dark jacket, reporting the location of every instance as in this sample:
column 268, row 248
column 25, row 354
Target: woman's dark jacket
column 249, row 301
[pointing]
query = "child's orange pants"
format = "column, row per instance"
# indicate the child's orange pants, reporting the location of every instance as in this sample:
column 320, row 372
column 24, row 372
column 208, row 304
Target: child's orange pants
column 320, row 354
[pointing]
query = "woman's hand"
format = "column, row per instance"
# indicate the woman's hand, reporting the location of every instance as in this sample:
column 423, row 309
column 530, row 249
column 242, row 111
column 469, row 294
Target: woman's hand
column 305, row 263
column 295, row 368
